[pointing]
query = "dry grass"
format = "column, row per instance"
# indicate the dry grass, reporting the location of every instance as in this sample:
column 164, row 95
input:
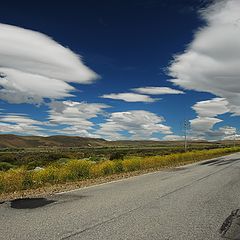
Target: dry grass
column 77, row 170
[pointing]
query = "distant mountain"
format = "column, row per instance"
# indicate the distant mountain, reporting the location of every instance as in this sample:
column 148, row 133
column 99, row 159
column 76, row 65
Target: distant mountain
column 15, row 141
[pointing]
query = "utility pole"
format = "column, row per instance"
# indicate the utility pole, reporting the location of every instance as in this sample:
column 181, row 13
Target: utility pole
column 186, row 127
column 235, row 138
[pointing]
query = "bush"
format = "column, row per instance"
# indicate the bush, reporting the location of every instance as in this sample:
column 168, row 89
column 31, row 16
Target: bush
column 47, row 175
column 132, row 164
column 102, row 168
column 28, row 181
column 95, row 158
column 118, row 166
column 116, row 156
column 4, row 166
column 1, row 182
column 19, row 179
column 12, row 180
column 77, row 169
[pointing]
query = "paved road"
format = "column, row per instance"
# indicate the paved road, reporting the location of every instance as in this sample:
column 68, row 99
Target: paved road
column 190, row 202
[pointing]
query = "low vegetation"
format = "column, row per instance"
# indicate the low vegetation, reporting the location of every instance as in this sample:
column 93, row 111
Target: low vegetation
column 31, row 158
column 74, row 170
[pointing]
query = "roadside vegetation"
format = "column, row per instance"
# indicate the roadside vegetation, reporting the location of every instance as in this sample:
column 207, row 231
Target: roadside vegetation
column 31, row 158
column 69, row 170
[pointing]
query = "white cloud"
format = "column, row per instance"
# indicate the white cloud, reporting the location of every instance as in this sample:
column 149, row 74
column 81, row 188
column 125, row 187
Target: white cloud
column 76, row 115
column 201, row 125
column 34, row 67
column 19, row 123
column 19, row 119
column 228, row 131
column 157, row 90
column 207, row 116
column 130, row 97
column 211, row 62
column 138, row 124
column 207, row 112
column 65, row 117
column 223, row 133
column 76, row 131
column 21, row 129
column 173, row 137
column 211, row 108
column 142, row 94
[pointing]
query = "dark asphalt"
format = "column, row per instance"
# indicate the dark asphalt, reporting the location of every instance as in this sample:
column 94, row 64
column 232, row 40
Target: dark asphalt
column 190, row 202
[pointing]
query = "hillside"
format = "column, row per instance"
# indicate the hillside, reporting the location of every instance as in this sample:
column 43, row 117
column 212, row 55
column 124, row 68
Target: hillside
column 15, row 141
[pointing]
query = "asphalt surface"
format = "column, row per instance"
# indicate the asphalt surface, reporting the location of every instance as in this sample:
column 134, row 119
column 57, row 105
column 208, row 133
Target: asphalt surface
column 189, row 202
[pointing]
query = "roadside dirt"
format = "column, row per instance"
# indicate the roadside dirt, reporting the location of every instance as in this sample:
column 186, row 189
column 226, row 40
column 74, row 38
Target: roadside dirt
column 56, row 188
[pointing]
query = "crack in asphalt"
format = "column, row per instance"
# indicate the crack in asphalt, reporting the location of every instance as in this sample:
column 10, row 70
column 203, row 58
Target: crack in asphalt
column 235, row 214
column 143, row 206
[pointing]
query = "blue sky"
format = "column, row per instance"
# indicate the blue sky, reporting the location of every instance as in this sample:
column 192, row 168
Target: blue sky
column 120, row 69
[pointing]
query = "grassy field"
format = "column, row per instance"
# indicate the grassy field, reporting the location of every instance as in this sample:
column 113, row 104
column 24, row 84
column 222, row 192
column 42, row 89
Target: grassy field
column 60, row 172
column 33, row 157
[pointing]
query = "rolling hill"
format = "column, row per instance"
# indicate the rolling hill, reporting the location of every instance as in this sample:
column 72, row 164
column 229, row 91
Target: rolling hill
column 15, row 141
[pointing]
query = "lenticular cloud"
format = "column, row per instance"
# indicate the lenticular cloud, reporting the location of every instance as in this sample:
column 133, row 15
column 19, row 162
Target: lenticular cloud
column 211, row 61
column 34, row 67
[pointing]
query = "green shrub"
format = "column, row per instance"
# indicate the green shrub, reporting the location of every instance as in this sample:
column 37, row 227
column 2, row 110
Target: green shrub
column 62, row 160
column 19, row 179
column 1, row 182
column 116, row 156
column 77, row 169
column 12, row 180
column 107, row 167
column 118, row 166
column 4, row 166
column 95, row 158
column 131, row 164
column 102, row 168
column 28, row 180
column 47, row 175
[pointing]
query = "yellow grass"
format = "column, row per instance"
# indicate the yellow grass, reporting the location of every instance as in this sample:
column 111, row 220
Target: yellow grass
column 20, row 179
